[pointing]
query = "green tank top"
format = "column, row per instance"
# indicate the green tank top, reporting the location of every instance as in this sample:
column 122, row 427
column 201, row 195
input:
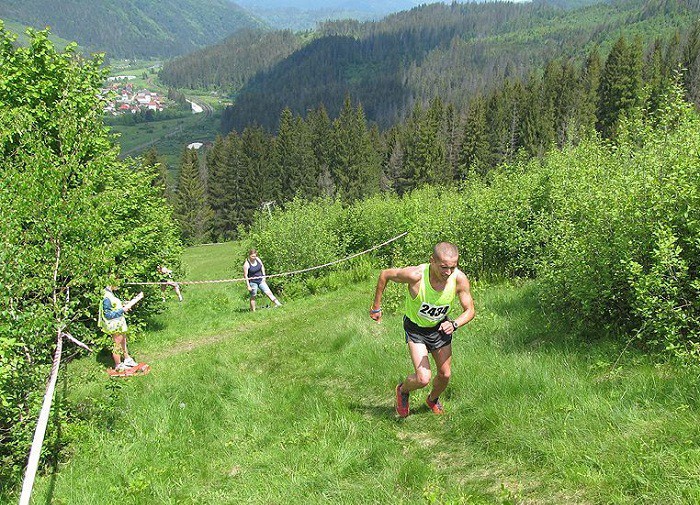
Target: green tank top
column 429, row 307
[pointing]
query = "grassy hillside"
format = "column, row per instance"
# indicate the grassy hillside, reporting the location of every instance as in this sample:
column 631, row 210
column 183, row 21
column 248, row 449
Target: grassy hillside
column 294, row 405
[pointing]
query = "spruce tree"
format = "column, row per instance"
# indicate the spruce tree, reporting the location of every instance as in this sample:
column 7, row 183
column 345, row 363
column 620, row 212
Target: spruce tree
column 588, row 98
column 537, row 125
column 236, row 182
column 392, row 164
column 620, row 85
column 691, row 65
column 219, row 189
column 474, row 155
column 321, row 135
column 192, row 211
column 294, row 158
column 654, row 79
column 562, row 87
column 355, row 165
column 503, row 120
column 427, row 156
column 258, row 180
column 157, row 166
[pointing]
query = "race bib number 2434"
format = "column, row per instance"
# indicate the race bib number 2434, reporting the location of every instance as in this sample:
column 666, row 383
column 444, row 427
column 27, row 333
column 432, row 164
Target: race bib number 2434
column 433, row 312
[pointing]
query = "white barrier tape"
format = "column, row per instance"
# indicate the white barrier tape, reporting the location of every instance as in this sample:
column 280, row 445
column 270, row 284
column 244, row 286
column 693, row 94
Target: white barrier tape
column 40, row 431
column 294, row 272
column 75, row 341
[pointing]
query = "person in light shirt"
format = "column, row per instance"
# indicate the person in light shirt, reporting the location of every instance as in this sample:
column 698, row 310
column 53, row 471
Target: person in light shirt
column 254, row 274
column 166, row 276
column 113, row 323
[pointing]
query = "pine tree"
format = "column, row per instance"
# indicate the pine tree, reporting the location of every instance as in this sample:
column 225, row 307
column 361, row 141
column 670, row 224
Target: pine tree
column 474, row 155
column 503, row 120
column 258, row 180
column 691, row 64
column 562, row 87
column 157, row 165
column 220, row 193
column 620, row 85
column 234, row 168
column 654, row 79
column 355, row 165
column 427, row 155
column 588, row 98
column 321, row 133
column 191, row 208
column 392, row 164
column 294, row 158
column 537, row 126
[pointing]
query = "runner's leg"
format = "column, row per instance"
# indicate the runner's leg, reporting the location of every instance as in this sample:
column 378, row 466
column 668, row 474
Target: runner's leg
column 421, row 376
column 443, row 363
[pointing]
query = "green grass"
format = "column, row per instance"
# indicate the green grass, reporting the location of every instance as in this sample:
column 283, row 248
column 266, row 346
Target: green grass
column 295, row 405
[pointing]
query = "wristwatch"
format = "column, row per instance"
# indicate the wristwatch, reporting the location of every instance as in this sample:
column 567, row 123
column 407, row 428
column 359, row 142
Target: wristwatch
column 454, row 325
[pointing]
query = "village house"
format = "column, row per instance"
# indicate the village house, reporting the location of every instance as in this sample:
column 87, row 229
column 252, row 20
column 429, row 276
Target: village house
column 123, row 93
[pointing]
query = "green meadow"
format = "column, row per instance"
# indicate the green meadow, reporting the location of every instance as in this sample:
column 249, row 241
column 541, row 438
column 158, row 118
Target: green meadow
column 295, row 405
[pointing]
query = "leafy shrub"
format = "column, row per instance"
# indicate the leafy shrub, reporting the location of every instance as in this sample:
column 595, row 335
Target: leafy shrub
column 302, row 236
column 624, row 252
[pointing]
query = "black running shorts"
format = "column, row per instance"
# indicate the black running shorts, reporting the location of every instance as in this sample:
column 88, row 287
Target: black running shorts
column 432, row 337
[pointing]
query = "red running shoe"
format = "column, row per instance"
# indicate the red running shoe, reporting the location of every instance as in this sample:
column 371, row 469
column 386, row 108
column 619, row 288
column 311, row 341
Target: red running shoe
column 401, row 402
column 435, row 406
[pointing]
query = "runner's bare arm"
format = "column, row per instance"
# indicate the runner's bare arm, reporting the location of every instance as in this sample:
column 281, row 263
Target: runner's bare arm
column 405, row 275
column 465, row 299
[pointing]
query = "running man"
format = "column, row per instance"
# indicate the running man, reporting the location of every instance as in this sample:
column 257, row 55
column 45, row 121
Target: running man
column 431, row 290
column 254, row 275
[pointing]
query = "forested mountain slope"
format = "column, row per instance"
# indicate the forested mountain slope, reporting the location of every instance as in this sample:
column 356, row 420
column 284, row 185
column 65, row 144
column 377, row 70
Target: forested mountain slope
column 134, row 29
column 231, row 63
column 452, row 51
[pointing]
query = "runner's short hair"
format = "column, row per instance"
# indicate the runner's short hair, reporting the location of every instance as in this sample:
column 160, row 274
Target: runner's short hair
column 445, row 249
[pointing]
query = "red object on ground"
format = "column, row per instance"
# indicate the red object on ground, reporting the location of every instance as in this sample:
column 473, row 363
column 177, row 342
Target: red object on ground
column 140, row 369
